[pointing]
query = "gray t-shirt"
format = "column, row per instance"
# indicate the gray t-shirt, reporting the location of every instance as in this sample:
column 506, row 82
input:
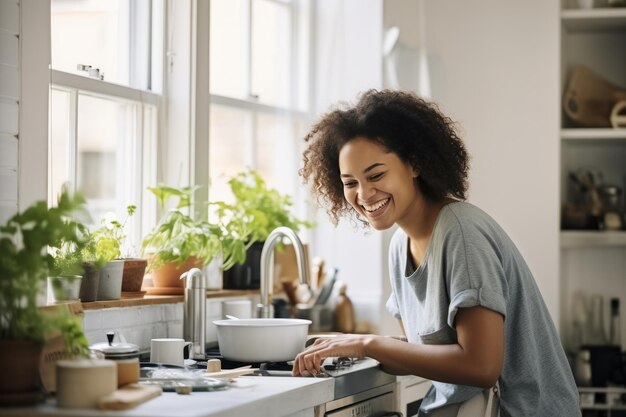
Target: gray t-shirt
column 470, row 261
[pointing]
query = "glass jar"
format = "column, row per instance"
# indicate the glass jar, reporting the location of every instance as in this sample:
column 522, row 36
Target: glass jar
column 612, row 207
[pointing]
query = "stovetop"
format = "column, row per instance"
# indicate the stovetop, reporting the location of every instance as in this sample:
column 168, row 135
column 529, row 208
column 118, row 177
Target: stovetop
column 351, row 375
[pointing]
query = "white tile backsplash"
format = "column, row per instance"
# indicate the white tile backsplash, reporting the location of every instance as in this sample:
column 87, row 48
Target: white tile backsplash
column 142, row 323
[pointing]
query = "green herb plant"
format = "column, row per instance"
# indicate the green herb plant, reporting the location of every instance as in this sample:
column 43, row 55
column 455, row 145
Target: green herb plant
column 107, row 241
column 25, row 265
column 177, row 236
column 256, row 211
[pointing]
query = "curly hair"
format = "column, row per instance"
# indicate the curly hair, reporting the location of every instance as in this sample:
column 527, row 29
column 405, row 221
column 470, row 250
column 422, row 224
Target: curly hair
column 402, row 123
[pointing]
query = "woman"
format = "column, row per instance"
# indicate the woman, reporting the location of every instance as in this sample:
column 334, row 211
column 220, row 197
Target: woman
column 468, row 303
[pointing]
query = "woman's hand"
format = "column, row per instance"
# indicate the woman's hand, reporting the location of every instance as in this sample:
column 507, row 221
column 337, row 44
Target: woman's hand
column 309, row 361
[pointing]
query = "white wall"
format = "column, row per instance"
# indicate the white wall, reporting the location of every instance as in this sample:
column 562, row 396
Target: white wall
column 9, row 106
column 24, row 83
column 494, row 68
column 348, row 61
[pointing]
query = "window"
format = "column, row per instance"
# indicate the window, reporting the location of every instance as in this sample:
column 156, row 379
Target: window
column 105, row 101
column 259, row 78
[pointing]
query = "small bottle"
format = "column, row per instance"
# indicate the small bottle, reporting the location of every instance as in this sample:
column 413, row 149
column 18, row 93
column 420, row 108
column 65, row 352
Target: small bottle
column 344, row 312
column 596, row 333
column 615, row 337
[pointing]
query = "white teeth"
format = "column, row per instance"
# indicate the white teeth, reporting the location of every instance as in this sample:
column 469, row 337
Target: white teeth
column 376, row 206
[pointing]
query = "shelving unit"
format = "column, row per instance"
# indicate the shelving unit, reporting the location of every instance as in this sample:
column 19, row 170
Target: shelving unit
column 592, row 262
column 596, row 39
column 602, row 401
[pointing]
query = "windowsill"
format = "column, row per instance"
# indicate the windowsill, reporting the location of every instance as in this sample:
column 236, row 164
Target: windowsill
column 132, row 300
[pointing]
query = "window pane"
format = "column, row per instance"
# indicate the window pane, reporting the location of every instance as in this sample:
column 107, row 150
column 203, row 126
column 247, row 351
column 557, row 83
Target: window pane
column 271, row 43
column 104, row 133
column 59, row 166
column 228, row 50
column 122, row 38
column 93, row 32
column 229, row 147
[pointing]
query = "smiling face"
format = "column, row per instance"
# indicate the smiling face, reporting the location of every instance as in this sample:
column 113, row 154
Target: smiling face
column 377, row 183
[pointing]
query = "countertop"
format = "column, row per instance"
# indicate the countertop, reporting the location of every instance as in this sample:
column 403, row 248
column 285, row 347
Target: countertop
column 258, row 396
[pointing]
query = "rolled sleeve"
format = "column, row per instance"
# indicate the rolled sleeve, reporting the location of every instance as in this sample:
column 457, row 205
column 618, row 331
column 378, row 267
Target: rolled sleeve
column 473, row 297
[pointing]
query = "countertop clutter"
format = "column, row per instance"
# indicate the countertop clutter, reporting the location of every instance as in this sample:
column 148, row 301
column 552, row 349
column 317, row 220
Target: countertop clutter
column 250, row 395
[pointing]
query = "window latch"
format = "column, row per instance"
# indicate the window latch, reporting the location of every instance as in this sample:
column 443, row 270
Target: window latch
column 91, row 71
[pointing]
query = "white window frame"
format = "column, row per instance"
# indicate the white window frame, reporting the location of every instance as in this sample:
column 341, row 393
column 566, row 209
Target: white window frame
column 252, row 104
column 150, row 105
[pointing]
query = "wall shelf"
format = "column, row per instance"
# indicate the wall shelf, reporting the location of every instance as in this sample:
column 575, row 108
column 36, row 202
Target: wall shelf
column 571, row 239
column 584, row 134
column 606, row 19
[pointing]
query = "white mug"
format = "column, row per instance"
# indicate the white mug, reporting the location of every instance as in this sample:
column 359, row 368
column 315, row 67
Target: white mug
column 242, row 309
column 169, row 351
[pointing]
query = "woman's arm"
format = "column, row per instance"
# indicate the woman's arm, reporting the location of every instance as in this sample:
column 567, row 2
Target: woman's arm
column 475, row 360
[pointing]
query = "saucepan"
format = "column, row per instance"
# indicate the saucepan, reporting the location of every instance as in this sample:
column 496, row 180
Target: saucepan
column 261, row 340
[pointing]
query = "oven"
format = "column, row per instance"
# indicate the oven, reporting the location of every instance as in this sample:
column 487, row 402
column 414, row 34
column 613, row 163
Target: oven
column 375, row 402
column 361, row 388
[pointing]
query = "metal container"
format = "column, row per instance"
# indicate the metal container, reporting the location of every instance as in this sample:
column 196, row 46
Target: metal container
column 194, row 313
column 64, row 288
column 261, row 340
column 116, row 351
column 321, row 316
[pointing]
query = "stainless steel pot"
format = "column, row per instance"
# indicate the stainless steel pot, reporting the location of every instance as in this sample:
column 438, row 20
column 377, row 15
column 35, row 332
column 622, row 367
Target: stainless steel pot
column 116, row 351
column 261, row 340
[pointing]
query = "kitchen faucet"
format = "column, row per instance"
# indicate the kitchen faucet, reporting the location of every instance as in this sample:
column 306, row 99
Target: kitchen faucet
column 265, row 308
column 194, row 314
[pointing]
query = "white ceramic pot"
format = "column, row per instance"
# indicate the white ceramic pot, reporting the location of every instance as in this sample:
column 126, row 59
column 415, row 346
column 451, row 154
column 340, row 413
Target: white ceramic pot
column 110, row 285
column 261, row 340
column 64, row 288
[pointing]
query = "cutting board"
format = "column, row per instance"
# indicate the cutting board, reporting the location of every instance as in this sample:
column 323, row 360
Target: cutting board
column 129, row 396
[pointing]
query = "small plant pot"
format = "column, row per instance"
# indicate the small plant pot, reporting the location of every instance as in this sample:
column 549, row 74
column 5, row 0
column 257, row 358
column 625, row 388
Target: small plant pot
column 110, row 285
column 134, row 270
column 168, row 274
column 89, row 283
column 64, row 288
column 248, row 274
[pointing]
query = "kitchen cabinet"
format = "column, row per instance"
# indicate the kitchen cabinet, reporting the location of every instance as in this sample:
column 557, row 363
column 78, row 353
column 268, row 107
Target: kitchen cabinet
column 592, row 261
column 411, row 390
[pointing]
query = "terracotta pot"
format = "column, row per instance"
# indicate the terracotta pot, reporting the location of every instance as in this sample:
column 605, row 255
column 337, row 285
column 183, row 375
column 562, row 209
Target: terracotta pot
column 168, row 274
column 134, row 270
column 20, row 382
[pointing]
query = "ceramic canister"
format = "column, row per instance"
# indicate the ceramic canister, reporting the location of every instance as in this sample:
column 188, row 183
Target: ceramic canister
column 82, row 382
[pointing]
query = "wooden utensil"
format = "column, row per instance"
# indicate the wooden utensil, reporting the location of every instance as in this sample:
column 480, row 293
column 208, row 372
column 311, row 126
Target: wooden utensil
column 291, row 295
column 232, row 373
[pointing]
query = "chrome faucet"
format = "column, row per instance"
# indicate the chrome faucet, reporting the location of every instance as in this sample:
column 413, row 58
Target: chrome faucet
column 265, row 308
column 194, row 314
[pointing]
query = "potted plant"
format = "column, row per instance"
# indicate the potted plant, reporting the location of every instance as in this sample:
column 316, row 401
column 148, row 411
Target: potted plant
column 178, row 242
column 66, row 273
column 24, row 268
column 111, row 240
column 105, row 246
column 256, row 211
